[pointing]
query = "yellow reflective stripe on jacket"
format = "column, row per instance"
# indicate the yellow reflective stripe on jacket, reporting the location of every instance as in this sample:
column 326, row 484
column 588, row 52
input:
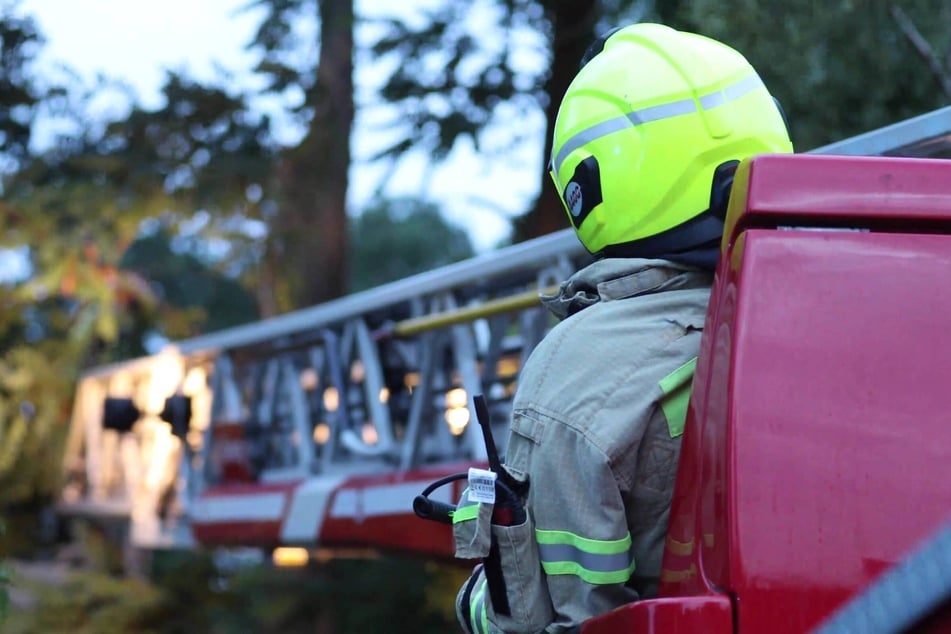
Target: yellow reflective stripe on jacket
column 595, row 561
column 478, row 615
column 676, row 389
column 465, row 513
column 466, row 509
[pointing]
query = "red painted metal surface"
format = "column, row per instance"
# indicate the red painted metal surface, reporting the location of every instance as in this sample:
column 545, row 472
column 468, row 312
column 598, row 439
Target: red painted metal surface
column 840, row 451
column 691, row 615
column 855, row 191
column 243, row 528
column 369, row 510
column 230, row 456
column 403, row 532
column 817, row 448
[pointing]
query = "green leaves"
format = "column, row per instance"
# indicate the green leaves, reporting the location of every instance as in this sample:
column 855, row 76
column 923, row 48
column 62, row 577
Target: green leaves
column 19, row 40
column 5, row 581
column 838, row 71
column 451, row 79
column 397, row 238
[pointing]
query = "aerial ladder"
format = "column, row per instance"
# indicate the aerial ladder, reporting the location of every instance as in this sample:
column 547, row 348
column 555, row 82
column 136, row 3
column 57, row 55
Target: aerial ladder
column 317, row 428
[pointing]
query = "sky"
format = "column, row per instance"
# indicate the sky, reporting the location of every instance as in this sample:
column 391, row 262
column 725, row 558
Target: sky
column 138, row 41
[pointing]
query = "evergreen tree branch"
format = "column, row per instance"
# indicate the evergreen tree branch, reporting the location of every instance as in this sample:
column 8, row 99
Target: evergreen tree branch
column 923, row 48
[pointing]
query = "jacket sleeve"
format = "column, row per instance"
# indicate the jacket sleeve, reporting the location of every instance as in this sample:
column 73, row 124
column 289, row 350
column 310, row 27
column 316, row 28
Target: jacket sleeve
column 571, row 558
column 581, row 526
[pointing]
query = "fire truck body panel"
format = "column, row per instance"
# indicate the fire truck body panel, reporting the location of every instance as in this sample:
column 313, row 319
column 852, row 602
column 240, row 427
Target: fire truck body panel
column 817, row 447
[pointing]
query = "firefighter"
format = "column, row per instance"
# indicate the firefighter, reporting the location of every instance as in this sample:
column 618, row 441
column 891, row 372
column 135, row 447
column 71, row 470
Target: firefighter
column 646, row 141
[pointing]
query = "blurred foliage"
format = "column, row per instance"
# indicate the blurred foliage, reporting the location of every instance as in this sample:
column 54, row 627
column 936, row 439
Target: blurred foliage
column 838, row 68
column 190, row 593
column 90, row 603
column 450, row 83
column 19, row 39
column 394, row 239
column 192, row 297
column 4, row 582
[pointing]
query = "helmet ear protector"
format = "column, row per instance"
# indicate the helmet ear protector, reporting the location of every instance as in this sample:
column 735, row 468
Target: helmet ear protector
column 721, row 187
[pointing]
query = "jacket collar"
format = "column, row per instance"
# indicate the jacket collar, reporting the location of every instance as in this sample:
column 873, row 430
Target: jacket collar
column 619, row 278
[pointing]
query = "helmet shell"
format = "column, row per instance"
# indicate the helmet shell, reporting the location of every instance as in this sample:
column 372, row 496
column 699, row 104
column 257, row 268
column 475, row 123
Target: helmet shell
column 644, row 125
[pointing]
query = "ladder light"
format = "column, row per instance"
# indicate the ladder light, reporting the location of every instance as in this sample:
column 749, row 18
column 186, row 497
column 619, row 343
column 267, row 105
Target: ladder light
column 309, row 379
column 369, row 434
column 287, row 556
column 456, row 398
column 331, row 399
column 321, row 433
column 457, row 418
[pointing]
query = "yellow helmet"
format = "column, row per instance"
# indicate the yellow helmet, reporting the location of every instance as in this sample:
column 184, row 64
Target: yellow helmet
column 648, row 134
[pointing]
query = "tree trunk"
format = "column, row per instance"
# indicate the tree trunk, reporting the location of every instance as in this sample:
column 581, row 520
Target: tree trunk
column 312, row 225
column 573, row 30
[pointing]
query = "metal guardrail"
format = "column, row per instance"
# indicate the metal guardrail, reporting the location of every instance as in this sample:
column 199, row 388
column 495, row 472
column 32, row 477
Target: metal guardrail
column 525, row 257
column 922, row 136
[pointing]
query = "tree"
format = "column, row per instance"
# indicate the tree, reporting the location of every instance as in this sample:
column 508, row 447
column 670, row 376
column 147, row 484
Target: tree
column 204, row 161
column 308, row 234
column 839, row 71
column 82, row 202
column 193, row 298
column 453, row 82
column 394, row 239
column 72, row 210
column 19, row 40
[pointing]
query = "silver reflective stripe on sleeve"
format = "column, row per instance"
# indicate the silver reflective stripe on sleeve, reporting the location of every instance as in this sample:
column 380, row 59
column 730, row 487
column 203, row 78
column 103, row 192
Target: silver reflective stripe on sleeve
column 655, row 113
column 595, row 561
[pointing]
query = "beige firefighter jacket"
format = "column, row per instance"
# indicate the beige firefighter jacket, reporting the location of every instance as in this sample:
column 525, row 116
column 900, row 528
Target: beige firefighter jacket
column 595, row 430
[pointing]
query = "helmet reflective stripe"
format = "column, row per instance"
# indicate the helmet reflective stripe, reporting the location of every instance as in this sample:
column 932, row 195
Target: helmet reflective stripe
column 655, row 113
column 593, row 560
column 638, row 117
column 731, row 92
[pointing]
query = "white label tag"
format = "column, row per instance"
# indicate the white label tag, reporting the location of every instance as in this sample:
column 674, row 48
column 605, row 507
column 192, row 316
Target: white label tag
column 482, row 485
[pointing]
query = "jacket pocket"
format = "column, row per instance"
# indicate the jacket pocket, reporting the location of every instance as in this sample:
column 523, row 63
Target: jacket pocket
column 528, row 598
column 526, row 434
